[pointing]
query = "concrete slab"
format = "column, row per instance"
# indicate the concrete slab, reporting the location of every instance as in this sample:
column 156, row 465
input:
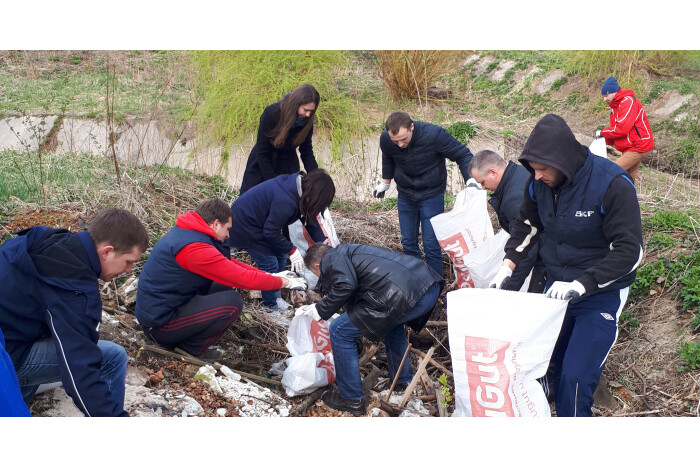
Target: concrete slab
column 25, row 133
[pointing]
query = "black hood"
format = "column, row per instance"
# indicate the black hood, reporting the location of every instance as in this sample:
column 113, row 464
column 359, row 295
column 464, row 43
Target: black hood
column 552, row 143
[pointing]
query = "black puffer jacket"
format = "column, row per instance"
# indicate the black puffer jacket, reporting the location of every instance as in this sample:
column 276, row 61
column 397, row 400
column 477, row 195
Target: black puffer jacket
column 374, row 285
column 419, row 169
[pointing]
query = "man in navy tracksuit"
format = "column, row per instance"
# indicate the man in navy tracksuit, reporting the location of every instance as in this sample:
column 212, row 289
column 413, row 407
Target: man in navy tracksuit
column 585, row 211
column 51, row 308
column 413, row 154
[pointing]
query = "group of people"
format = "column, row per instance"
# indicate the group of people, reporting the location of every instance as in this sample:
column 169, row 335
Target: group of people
column 573, row 220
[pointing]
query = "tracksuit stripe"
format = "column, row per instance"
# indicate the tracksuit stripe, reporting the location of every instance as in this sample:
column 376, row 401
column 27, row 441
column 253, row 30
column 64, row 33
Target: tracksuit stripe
column 207, row 315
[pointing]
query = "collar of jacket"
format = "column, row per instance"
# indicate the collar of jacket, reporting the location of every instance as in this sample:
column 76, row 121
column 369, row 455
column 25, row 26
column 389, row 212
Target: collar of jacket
column 91, row 250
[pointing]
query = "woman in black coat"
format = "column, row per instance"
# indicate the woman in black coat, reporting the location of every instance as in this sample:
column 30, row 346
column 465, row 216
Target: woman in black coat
column 284, row 126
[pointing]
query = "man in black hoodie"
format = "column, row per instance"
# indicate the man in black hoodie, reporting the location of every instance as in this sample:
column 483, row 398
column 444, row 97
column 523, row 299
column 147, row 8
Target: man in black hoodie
column 583, row 209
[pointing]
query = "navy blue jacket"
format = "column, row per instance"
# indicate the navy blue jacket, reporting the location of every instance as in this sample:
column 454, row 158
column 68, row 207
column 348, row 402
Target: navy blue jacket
column 374, row 285
column 11, row 403
column 506, row 201
column 262, row 213
column 266, row 161
column 589, row 226
column 419, row 169
column 164, row 285
column 49, row 289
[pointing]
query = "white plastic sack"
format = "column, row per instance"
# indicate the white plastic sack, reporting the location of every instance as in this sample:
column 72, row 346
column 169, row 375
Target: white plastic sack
column 501, row 342
column 462, row 229
column 311, row 365
column 483, row 262
column 599, row 148
column 301, row 239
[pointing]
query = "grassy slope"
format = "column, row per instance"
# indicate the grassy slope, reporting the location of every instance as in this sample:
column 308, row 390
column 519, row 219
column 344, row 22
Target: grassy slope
column 158, row 84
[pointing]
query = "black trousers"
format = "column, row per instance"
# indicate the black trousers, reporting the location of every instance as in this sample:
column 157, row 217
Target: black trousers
column 201, row 322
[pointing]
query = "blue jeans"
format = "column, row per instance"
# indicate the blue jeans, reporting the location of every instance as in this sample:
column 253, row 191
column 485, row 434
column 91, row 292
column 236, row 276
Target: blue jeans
column 41, row 367
column 271, row 264
column 344, row 337
column 413, row 214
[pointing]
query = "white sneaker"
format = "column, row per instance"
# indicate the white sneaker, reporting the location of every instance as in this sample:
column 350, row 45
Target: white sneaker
column 282, row 305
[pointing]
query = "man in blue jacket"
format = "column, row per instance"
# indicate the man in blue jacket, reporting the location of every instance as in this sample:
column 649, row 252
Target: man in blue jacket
column 507, row 182
column 585, row 209
column 51, row 308
column 413, row 154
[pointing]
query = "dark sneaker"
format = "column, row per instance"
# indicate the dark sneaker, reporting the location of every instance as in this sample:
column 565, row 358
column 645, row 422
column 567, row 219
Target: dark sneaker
column 400, row 387
column 334, row 401
column 211, row 355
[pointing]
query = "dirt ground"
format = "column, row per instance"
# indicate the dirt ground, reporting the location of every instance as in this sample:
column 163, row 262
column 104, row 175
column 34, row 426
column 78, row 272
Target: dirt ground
column 640, row 379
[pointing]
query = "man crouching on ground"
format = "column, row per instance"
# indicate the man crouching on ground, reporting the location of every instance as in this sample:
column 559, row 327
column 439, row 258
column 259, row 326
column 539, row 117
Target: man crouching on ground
column 380, row 290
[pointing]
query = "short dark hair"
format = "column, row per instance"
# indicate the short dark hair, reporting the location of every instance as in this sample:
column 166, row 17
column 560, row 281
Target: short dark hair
column 119, row 228
column 317, row 194
column 484, row 160
column 212, row 209
column 315, row 254
column 397, row 120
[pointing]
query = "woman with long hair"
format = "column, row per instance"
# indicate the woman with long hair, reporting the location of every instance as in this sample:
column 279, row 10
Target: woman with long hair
column 261, row 217
column 284, row 126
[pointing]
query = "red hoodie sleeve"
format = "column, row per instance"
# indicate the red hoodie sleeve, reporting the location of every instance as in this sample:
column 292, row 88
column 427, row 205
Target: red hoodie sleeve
column 207, row 261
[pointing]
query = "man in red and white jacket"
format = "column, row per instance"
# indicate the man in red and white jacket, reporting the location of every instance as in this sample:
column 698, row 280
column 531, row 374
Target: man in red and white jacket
column 185, row 294
column 629, row 130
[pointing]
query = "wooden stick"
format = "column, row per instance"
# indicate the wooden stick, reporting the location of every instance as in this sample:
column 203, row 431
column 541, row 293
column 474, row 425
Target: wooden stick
column 369, row 354
column 436, row 324
column 195, row 361
column 308, row 402
column 634, row 414
column 416, row 377
column 272, row 348
column 435, row 364
column 398, row 372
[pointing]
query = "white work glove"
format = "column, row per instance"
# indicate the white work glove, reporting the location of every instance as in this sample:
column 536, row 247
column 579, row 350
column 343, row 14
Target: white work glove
column 380, row 189
column 297, row 261
column 566, row 290
column 504, row 272
column 597, row 134
column 297, row 283
column 308, row 310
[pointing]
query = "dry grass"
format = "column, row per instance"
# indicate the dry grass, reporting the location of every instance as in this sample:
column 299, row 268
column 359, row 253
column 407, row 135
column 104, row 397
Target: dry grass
column 409, row 73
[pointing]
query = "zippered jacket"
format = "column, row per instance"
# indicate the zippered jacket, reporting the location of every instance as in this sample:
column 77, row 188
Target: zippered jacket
column 629, row 128
column 419, row 169
column 506, row 202
column 49, row 288
column 589, row 227
column 374, row 285
column 186, row 262
column 262, row 214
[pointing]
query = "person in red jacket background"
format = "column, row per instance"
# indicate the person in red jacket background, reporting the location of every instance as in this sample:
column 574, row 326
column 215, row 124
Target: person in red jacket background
column 629, row 130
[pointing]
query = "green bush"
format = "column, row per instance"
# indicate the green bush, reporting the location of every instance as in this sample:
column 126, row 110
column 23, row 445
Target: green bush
column 462, row 131
column 690, row 354
column 667, row 221
column 236, row 86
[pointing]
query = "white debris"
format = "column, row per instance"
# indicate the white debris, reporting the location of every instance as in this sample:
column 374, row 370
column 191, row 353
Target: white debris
column 230, row 374
column 207, row 373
